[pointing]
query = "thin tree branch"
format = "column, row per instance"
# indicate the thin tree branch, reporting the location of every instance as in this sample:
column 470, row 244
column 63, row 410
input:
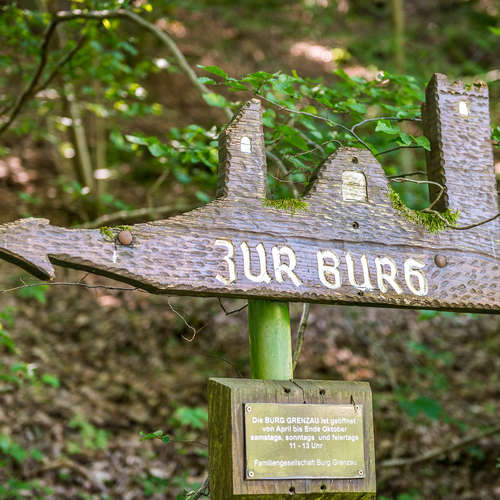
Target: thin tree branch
column 396, row 148
column 64, row 16
column 306, row 307
column 164, row 37
column 282, row 167
column 124, row 215
column 156, row 185
column 389, row 118
column 430, row 210
column 318, row 146
column 202, row 491
column 416, row 181
column 398, row 462
column 28, row 91
column 461, row 228
column 69, row 464
column 72, row 283
column 185, row 321
column 409, row 174
column 234, row 311
column 65, row 59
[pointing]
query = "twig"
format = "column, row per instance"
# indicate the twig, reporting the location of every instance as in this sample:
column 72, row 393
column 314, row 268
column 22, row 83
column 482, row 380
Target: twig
column 409, row 174
column 311, row 142
column 416, row 181
column 75, row 283
column 221, row 358
column 396, row 148
column 389, row 118
column 164, row 37
column 430, row 210
column 318, row 146
column 26, row 94
column 69, row 464
column 155, row 187
column 202, row 491
column 185, row 321
column 300, row 334
column 398, row 462
column 66, row 58
column 282, row 167
column 124, row 215
column 234, row 311
column 461, row 228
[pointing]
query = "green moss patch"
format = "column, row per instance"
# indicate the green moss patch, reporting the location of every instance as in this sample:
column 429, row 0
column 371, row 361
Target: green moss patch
column 292, row 205
column 430, row 221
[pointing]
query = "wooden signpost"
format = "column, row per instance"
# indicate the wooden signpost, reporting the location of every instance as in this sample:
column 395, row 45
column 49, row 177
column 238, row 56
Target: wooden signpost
column 343, row 244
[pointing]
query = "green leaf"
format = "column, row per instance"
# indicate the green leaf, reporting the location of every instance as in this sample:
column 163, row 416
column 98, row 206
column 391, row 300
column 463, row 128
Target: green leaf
column 35, row 292
column 206, row 80
column 495, row 31
column 405, row 138
column 356, row 106
column 422, row 405
column 236, row 85
column 51, row 380
column 191, row 417
column 203, row 196
column 135, row 139
column 6, row 340
column 217, row 100
column 165, row 438
column 423, row 142
column 215, row 70
column 156, row 149
column 386, row 128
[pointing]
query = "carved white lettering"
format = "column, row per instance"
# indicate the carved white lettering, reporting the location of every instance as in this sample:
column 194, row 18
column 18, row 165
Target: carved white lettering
column 412, row 270
column 367, row 285
column 331, row 269
column 383, row 277
column 324, row 268
column 228, row 259
column 280, row 268
column 263, row 276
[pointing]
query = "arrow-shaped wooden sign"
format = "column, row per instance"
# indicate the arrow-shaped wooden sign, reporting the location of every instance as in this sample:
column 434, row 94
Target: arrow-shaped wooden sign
column 348, row 245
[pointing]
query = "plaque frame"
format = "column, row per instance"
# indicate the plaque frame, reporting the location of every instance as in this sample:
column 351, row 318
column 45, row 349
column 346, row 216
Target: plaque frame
column 227, row 439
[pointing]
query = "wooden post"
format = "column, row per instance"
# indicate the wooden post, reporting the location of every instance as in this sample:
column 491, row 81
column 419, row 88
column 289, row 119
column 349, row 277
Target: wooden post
column 270, row 340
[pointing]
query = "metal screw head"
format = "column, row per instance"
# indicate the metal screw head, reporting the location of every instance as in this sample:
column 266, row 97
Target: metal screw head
column 361, row 473
column 250, row 473
column 125, row 237
column 440, row 260
column 248, row 409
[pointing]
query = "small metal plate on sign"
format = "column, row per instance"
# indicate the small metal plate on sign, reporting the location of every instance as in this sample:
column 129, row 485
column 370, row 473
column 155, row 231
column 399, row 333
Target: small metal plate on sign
column 304, row 441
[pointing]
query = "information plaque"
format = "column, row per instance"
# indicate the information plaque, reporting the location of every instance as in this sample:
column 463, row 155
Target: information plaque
column 304, row 441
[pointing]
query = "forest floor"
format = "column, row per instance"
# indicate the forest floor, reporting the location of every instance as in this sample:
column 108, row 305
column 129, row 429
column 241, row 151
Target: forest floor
column 123, row 366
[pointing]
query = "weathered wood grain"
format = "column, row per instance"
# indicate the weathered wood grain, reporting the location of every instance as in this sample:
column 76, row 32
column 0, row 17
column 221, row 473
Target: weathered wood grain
column 226, row 439
column 315, row 255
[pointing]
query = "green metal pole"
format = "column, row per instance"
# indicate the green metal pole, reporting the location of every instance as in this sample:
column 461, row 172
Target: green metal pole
column 270, row 340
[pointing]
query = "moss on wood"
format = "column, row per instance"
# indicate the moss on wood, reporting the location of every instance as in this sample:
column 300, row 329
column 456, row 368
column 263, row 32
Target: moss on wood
column 430, row 221
column 293, row 205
